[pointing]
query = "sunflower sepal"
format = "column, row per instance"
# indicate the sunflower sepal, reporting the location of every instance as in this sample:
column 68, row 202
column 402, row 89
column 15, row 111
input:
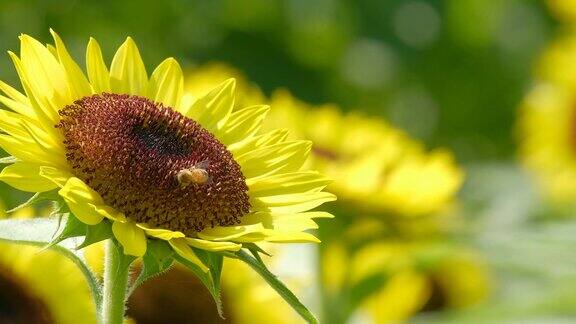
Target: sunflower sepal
column 96, row 233
column 276, row 284
column 37, row 198
column 214, row 261
column 256, row 250
column 158, row 259
column 72, row 228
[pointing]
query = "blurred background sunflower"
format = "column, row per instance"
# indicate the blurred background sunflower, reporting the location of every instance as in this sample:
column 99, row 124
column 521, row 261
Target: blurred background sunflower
column 33, row 284
column 448, row 126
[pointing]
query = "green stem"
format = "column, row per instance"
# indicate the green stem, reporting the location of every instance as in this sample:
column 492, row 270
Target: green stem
column 116, row 271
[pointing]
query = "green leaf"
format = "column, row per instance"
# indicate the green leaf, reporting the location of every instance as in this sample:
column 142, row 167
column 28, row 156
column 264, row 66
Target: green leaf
column 215, row 262
column 73, row 228
column 38, row 198
column 39, row 232
column 96, row 233
column 253, row 247
column 158, row 259
column 8, row 160
column 210, row 279
column 280, row 288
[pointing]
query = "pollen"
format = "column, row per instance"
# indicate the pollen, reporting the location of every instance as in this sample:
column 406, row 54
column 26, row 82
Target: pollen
column 153, row 164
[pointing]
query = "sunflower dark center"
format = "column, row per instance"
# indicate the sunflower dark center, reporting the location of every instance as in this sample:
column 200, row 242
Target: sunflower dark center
column 18, row 304
column 152, row 163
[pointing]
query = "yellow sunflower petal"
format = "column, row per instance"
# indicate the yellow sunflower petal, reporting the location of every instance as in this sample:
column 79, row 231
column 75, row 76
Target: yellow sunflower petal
column 51, row 145
column 213, row 110
column 132, row 238
column 167, row 84
column 25, row 176
column 127, row 72
column 243, row 147
column 10, row 124
column 282, row 222
column 17, row 106
column 27, row 150
column 45, row 76
column 317, row 214
column 180, row 245
column 287, row 183
column 38, row 111
column 213, row 246
column 160, row 233
column 81, row 199
column 58, row 176
column 294, row 223
column 291, row 203
column 243, row 124
column 97, row 71
column 109, row 212
column 50, row 152
column 291, row 237
column 244, row 233
column 13, row 93
column 274, row 231
column 273, row 159
column 77, row 82
column 52, row 50
column 45, row 116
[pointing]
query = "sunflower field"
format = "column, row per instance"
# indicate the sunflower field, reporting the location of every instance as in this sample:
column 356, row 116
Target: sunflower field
column 287, row 161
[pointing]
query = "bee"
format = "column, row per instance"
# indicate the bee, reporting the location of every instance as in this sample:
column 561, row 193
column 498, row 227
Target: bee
column 197, row 175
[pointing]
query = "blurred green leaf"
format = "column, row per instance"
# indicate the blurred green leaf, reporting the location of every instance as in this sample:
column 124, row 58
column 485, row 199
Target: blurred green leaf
column 364, row 289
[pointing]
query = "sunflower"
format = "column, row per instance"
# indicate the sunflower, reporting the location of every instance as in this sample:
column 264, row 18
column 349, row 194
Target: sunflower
column 546, row 126
column 557, row 64
column 422, row 276
column 564, row 10
column 33, row 284
column 377, row 166
column 390, row 278
column 123, row 147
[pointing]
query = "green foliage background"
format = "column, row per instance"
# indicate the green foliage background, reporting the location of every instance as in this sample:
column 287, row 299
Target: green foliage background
column 471, row 72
